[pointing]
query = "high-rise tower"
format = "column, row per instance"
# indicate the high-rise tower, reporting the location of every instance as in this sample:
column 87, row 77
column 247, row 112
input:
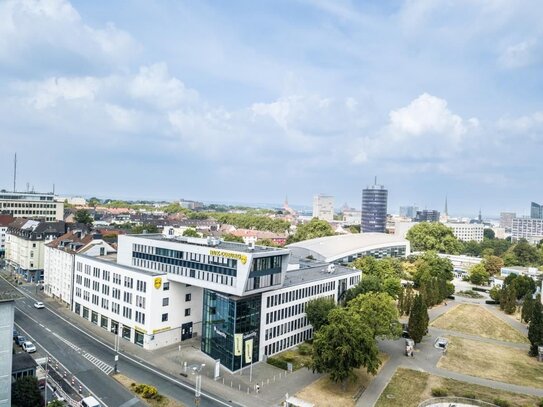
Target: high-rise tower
column 374, row 208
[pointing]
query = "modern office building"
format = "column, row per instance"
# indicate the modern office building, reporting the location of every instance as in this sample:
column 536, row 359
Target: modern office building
column 374, row 209
column 25, row 245
column 536, row 211
column 467, row 231
column 408, row 211
column 527, row 228
column 506, row 219
column 59, row 260
column 343, row 249
column 323, row 207
column 427, row 216
column 31, row 205
column 244, row 301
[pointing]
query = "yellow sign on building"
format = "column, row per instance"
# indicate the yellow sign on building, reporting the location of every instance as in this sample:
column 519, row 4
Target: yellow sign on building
column 249, row 351
column 158, row 282
column 228, row 255
column 238, row 344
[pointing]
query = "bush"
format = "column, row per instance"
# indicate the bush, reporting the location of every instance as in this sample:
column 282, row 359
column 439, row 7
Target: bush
column 439, row 392
column 501, row 403
column 469, row 395
column 280, row 363
column 540, row 404
column 146, row 391
column 304, row 349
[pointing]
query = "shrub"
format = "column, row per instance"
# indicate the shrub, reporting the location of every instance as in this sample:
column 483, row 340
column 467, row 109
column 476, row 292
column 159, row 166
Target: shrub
column 439, row 392
column 146, row 391
column 540, row 404
column 304, row 349
column 469, row 395
column 132, row 384
column 281, row 364
column 501, row 402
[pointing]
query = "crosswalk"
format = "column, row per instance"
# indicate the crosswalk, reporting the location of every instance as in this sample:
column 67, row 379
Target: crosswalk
column 67, row 342
column 103, row 366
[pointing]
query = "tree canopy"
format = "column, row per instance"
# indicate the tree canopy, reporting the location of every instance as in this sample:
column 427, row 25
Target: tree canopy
column 493, row 265
column 478, row 274
column 83, row 216
column 379, row 312
column 317, row 311
column 418, row 320
column 25, row 392
column 191, row 232
column 535, row 329
column 431, row 265
column 147, row 228
column 311, row 230
column 343, row 345
column 435, row 236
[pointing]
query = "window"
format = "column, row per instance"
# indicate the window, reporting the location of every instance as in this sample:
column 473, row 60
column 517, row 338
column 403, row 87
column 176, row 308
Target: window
column 165, row 302
column 188, row 297
column 127, row 297
column 164, row 317
column 166, row 286
column 187, row 312
column 127, row 312
column 140, row 301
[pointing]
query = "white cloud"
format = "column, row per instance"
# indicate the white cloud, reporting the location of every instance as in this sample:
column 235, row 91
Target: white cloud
column 519, row 55
column 48, row 93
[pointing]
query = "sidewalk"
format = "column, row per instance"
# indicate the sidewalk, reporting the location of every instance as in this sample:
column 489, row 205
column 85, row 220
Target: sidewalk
column 239, row 388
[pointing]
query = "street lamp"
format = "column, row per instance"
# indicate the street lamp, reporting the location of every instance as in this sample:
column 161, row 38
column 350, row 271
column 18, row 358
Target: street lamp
column 198, row 387
column 116, row 346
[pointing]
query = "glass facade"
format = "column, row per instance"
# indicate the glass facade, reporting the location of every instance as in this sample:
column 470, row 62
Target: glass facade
column 374, row 209
column 223, row 316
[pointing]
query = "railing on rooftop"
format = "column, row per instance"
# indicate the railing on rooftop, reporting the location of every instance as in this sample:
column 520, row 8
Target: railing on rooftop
column 451, row 401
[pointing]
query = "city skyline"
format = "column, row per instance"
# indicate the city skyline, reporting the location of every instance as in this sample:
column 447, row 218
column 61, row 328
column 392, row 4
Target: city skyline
column 141, row 101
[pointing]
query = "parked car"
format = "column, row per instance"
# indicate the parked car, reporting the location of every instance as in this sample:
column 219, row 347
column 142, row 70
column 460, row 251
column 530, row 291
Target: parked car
column 29, row 347
column 15, row 334
column 39, row 305
column 20, row 339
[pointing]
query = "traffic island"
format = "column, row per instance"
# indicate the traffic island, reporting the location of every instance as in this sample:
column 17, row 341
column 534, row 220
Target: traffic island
column 146, row 393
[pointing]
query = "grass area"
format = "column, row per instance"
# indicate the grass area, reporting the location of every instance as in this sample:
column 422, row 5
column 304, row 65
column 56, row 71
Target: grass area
column 325, row 393
column 469, row 294
column 408, row 388
column 475, row 320
column 492, row 362
column 299, row 357
column 162, row 402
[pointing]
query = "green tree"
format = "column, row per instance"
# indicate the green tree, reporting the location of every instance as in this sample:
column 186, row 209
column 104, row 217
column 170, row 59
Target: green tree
column 527, row 308
column 343, row 345
column 317, row 311
column 525, row 254
column 147, row 228
column 535, row 329
column 493, row 265
column 524, row 285
column 56, row 403
column 489, row 233
column 94, row 202
column 190, row 232
column 478, row 274
column 228, row 237
column 311, row 230
column 25, row 392
column 83, row 216
column 435, row 236
column 495, row 293
column 379, row 312
column 508, row 299
column 418, row 320
column 430, row 265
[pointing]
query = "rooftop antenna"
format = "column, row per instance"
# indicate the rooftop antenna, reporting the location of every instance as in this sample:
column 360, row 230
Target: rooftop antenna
column 15, row 174
column 376, row 180
column 53, row 189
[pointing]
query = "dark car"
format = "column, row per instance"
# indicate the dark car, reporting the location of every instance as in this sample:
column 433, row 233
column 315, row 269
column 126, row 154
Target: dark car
column 15, row 334
column 20, row 340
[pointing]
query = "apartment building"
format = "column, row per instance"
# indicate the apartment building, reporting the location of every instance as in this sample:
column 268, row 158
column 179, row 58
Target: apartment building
column 323, row 207
column 530, row 229
column 5, row 221
column 31, row 205
column 467, row 231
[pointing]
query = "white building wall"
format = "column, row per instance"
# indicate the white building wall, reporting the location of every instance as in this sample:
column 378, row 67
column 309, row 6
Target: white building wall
column 3, row 231
column 323, row 207
column 467, row 232
column 58, row 274
column 6, row 346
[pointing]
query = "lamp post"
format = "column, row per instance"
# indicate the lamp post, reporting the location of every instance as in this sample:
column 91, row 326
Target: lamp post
column 198, row 385
column 116, row 349
column 46, row 372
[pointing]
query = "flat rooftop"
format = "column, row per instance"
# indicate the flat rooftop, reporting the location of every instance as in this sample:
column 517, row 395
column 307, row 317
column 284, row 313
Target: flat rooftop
column 316, row 272
column 112, row 259
column 217, row 244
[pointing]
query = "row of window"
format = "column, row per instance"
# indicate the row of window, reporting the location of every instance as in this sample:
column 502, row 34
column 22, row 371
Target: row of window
column 299, row 293
column 106, row 274
column 179, row 255
column 289, row 342
column 286, row 327
column 25, row 205
column 219, row 269
column 288, row 312
column 254, row 283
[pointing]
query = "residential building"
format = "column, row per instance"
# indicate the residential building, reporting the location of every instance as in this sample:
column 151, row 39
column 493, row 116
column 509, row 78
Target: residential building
column 323, row 207
column 72, row 200
column 344, row 249
column 527, row 228
column 374, row 209
column 506, row 219
column 351, row 216
column 59, row 260
column 531, row 272
column 536, row 211
column 188, row 204
column 467, row 231
column 5, row 220
column 408, row 211
column 25, row 242
column 31, row 205
column 427, row 215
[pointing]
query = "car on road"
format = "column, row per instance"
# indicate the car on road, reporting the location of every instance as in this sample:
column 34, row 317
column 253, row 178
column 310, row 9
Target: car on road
column 20, row 339
column 15, row 334
column 89, row 402
column 29, row 347
column 39, row 305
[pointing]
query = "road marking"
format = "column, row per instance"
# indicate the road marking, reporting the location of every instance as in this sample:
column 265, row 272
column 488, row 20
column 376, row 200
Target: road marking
column 104, row 367
column 67, row 342
column 145, row 366
column 130, row 402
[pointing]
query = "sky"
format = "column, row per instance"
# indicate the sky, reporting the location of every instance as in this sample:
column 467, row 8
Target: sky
column 245, row 101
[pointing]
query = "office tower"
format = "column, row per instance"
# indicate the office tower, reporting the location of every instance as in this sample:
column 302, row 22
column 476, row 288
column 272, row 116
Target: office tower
column 374, row 208
column 408, row 211
column 323, row 207
column 427, row 216
column 506, row 219
column 536, row 211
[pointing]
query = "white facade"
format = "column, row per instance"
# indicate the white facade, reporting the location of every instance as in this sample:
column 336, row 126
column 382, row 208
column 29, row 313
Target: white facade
column 467, row 231
column 323, row 207
column 142, row 307
column 26, row 254
column 352, row 217
column 7, row 309
column 31, row 205
column 527, row 228
column 3, row 230
column 283, row 321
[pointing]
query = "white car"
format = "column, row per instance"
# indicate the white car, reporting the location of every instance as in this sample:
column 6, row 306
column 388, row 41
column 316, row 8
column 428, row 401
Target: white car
column 29, row 347
column 39, row 305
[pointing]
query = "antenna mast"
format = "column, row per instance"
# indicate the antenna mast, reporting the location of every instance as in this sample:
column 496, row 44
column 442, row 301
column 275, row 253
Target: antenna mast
column 15, row 174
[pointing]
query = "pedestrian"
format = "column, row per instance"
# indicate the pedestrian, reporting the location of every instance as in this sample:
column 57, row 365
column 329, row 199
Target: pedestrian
column 257, row 387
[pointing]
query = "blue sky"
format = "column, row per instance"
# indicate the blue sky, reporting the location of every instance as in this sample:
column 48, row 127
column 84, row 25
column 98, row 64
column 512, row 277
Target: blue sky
column 248, row 101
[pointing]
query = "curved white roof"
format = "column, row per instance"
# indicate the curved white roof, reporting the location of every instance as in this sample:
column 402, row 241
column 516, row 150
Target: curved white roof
column 332, row 248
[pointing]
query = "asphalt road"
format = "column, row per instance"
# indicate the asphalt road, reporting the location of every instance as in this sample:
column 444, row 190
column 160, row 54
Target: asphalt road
column 91, row 361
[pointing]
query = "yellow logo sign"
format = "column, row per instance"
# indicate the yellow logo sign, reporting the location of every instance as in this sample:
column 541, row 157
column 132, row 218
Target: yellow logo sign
column 158, row 282
column 228, row 255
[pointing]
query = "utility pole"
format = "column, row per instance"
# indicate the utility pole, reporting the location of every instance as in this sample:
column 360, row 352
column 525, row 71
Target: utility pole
column 15, row 174
column 116, row 350
column 46, row 367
